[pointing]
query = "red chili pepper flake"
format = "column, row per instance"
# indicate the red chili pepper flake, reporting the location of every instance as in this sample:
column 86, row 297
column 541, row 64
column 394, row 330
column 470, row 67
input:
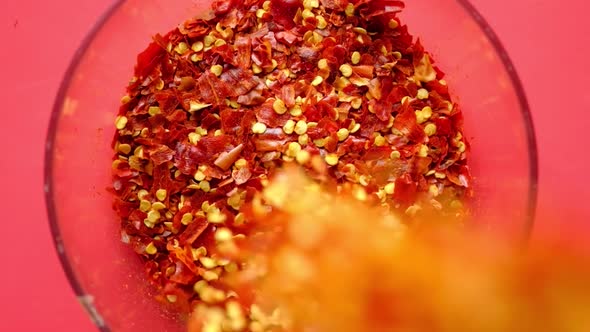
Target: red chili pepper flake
column 217, row 105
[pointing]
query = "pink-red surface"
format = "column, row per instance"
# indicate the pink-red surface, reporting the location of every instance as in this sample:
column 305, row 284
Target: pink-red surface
column 546, row 39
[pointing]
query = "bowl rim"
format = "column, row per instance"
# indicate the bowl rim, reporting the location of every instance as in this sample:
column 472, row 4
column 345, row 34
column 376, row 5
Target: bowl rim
column 86, row 300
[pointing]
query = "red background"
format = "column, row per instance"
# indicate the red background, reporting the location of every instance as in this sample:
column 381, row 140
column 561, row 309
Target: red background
column 546, row 39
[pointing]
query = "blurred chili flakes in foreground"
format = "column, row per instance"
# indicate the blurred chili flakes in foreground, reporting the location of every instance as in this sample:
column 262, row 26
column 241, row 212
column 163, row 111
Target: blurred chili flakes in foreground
column 320, row 268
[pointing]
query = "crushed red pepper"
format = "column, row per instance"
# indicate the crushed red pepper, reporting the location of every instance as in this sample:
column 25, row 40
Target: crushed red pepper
column 218, row 104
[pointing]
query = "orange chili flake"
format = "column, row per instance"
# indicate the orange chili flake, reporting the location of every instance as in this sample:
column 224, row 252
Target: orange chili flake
column 217, row 105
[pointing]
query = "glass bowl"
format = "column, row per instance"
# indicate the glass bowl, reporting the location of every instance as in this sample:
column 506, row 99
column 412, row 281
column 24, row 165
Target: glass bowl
column 108, row 276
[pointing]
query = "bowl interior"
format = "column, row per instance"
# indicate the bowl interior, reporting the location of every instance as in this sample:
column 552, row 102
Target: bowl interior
column 108, row 276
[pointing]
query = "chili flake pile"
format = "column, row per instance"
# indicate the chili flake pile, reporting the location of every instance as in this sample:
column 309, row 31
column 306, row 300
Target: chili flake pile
column 217, row 105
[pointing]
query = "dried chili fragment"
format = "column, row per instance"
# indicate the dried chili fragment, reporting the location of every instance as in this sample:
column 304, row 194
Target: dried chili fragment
column 217, row 105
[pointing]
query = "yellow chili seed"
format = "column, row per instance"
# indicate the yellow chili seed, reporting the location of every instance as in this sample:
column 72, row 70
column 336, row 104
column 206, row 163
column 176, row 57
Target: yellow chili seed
column 205, row 186
column 121, row 122
column 217, row 69
column 239, row 219
column 322, row 23
column 423, row 151
column 395, row 155
column 220, row 42
column 161, row 194
column 196, row 57
column 235, row 201
column 462, row 147
column 216, row 217
column 430, row 129
column 142, row 194
column 346, row 70
column 187, row 218
column 359, row 30
column 356, row 103
column 197, row 46
column 427, row 112
column 300, row 127
column 256, row 69
column 317, row 81
column 420, row 117
column 309, row 4
column 208, row 262
column 210, row 276
column 331, row 159
column 194, row 138
column 209, row 40
column 199, row 252
column 306, row 13
column 303, row 139
column 296, row 111
column 303, row 157
column 389, row 188
column 196, row 106
column 433, row 190
column 199, row 176
column 364, row 180
column 349, row 10
column 422, row 94
column 380, row 141
column 289, row 127
column 223, row 235
column 355, row 128
column 393, row 23
column 323, row 64
column 200, row 285
column 279, row 106
column 355, row 58
column 125, row 99
column 320, row 142
column 241, row 163
column 292, row 149
column 181, row 48
column 343, row 134
column 124, row 148
column 153, row 216
column 138, row 152
column 316, row 38
column 151, row 249
column 144, row 205
column 157, row 206
column 259, row 128
column 260, row 13
column 440, row 175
